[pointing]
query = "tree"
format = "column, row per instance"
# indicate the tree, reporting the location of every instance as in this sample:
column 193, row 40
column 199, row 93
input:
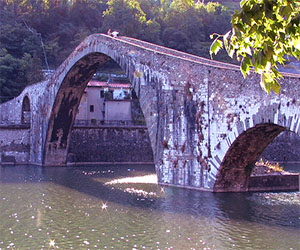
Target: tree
column 38, row 33
column 126, row 16
column 20, row 53
column 176, row 39
column 12, row 75
column 87, row 13
column 263, row 34
column 187, row 27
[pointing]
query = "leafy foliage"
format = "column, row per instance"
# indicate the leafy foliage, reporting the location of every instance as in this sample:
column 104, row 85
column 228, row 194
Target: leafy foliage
column 263, row 34
column 12, row 74
column 27, row 27
column 19, row 57
column 126, row 16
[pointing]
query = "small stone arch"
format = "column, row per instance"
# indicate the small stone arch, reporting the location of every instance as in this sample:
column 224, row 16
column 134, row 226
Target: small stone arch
column 236, row 165
column 26, row 111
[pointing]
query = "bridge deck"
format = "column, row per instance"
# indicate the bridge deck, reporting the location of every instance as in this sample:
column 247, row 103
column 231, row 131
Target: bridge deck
column 186, row 56
column 182, row 55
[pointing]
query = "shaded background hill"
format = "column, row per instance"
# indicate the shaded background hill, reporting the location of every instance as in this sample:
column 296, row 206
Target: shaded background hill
column 40, row 34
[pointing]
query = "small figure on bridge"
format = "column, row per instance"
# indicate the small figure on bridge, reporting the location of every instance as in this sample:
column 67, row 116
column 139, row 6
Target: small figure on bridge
column 112, row 33
column 115, row 33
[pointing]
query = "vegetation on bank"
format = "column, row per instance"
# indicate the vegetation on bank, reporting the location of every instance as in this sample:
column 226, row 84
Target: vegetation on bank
column 263, row 167
column 40, row 34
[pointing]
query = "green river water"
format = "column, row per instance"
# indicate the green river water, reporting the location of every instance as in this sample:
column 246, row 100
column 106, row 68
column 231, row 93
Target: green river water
column 122, row 207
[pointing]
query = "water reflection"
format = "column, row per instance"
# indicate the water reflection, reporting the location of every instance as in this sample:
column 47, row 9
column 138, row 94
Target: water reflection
column 105, row 207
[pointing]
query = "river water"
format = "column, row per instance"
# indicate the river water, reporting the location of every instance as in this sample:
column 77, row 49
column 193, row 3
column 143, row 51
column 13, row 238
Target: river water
column 121, row 207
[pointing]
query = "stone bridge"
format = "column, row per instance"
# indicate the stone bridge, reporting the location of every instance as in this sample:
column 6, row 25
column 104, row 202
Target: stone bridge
column 207, row 124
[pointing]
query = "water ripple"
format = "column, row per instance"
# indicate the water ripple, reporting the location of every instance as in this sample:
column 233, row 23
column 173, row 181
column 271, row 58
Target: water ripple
column 115, row 208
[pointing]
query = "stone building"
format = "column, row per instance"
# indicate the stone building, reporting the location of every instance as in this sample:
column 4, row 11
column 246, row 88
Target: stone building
column 105, row 101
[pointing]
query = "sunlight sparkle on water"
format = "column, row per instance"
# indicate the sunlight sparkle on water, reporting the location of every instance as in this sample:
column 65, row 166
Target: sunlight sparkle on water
column 278, row 198
column 139, row 192
column 146, row 179
column 52, row 243
column 105, row 210
column 104, row 206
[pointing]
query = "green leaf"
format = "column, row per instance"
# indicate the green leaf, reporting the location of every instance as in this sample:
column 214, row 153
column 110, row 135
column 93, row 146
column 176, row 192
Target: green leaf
column 243, row 2
column 268, row 6
column 264, row 33
column 238, row 28
column 270, row 83
column 286, row 11
column 262, row 60
column 215, row 47
column 246, row 65
column 268, row 51
column 297, row 43
column 264, row 83
column 253, row 29
column 276, row 87
column 247, row 18
column 228, row 46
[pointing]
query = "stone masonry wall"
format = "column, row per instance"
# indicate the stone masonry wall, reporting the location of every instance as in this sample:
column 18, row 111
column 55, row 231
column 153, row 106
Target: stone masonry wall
column 285, row 148
column 274, row 183
column 11, row 113
column 14, row 145
column 117, row 144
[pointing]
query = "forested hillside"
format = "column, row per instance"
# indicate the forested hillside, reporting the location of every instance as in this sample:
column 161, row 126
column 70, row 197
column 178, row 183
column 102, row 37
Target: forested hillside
column 40, row 34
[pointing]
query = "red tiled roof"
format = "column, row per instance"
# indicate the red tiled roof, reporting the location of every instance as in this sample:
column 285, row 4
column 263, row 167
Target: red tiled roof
column 94, row 83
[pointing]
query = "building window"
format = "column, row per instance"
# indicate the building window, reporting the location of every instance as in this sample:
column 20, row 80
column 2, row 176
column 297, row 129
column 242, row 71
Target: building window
column 102, row 93
column 91, row 108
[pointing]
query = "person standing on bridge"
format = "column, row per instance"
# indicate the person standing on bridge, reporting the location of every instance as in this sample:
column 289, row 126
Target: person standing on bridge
column 115, row 33
column 112, row 33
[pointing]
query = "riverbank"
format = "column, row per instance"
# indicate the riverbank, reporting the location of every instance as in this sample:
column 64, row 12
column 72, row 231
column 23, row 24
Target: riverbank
column 263, row 167
column 269, row 176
